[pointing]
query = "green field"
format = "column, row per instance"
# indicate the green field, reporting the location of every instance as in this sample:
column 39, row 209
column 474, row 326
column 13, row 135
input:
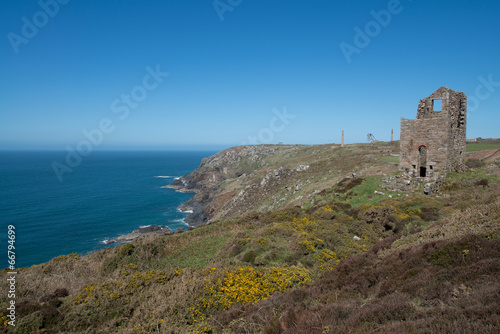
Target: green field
column 486, row 145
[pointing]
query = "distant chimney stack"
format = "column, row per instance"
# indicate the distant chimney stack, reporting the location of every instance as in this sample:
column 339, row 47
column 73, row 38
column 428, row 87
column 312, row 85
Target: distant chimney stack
column 342, row 144
column 392, row 134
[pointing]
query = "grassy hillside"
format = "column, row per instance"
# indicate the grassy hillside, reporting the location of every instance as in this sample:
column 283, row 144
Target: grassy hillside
column 274, row 177
column 342, row 260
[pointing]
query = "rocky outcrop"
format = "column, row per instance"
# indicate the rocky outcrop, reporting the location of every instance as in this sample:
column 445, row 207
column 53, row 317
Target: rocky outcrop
column 270, row 177
column 141, row 232
column 237, row 164
column 408, row 182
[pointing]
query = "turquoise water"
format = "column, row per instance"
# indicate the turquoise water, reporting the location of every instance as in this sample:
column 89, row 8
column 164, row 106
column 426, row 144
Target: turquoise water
column 109, row 194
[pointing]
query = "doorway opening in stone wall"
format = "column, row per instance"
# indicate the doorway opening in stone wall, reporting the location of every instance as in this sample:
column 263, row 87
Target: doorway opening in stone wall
column 422, row 160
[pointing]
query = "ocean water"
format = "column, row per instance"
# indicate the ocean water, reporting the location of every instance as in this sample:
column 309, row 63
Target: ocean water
column 111, row 193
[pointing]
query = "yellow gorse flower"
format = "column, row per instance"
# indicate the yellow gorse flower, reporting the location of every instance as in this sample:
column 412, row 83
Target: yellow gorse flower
column 250, row 285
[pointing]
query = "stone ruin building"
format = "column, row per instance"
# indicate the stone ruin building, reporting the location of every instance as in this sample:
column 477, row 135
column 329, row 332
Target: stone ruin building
column 435, row 140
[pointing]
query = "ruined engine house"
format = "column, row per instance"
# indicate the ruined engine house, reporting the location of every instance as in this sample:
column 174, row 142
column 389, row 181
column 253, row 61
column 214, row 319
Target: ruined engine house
column 435, row 140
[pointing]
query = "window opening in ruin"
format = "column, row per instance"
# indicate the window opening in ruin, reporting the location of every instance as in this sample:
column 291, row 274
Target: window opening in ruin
column 437, row 105
column 423, row 171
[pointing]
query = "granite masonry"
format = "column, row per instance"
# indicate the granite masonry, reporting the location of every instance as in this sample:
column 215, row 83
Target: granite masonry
column 435, row 140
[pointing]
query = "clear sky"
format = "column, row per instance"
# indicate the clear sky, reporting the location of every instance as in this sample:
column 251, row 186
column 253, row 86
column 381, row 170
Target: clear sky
column 239, row 71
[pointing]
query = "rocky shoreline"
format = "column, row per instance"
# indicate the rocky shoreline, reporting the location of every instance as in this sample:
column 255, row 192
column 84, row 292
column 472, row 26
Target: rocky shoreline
column 195, row 206
column 142, row 232
column 196, row 217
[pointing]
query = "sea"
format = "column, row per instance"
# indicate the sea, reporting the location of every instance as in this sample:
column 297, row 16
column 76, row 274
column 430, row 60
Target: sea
column 107, row 194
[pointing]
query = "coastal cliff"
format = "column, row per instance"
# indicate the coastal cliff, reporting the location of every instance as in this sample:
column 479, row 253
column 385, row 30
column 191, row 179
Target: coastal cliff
column 271, row 177
column 289, row 239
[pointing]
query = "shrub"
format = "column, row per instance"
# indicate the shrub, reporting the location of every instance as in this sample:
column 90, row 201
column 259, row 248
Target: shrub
column 287, row 214
column 30, row 324
column 474, row 163
column 429, row 214
column 109, row 265
column 249, row 257
column 60, row 293
column 453, row 186
column 347, row 184
column 249, row 285
column 394, row 307
column 26, row 307
column 482, row 182
column 53, row 298
column 384, row 243
column 35, row 316
column 234, row 250
column 325, row 212
column 127, row 250
column 324, row 258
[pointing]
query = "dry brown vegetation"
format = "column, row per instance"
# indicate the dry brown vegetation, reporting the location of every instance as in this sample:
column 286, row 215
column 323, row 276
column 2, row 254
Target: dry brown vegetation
column 418, row 264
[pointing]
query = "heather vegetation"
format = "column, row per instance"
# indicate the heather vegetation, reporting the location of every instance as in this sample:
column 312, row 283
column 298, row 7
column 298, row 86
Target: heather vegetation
column 347, row 261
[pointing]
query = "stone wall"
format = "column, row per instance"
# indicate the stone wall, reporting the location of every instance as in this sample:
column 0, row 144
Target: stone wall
column 430, row 133
column 435, row 140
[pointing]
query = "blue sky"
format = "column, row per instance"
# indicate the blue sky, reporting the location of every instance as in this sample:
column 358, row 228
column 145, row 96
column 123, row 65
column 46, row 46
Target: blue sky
column 239, row 71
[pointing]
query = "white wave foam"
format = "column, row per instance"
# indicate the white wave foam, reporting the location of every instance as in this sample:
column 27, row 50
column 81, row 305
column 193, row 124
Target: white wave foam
column 144, row 226
column 107, row 242
column 167, row 177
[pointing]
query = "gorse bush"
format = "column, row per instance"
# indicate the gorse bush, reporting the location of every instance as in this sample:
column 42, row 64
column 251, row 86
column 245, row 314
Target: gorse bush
column 127, row 249
column 250, row 285
column 403, row 292
column 305, row 230
column 326, row 258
